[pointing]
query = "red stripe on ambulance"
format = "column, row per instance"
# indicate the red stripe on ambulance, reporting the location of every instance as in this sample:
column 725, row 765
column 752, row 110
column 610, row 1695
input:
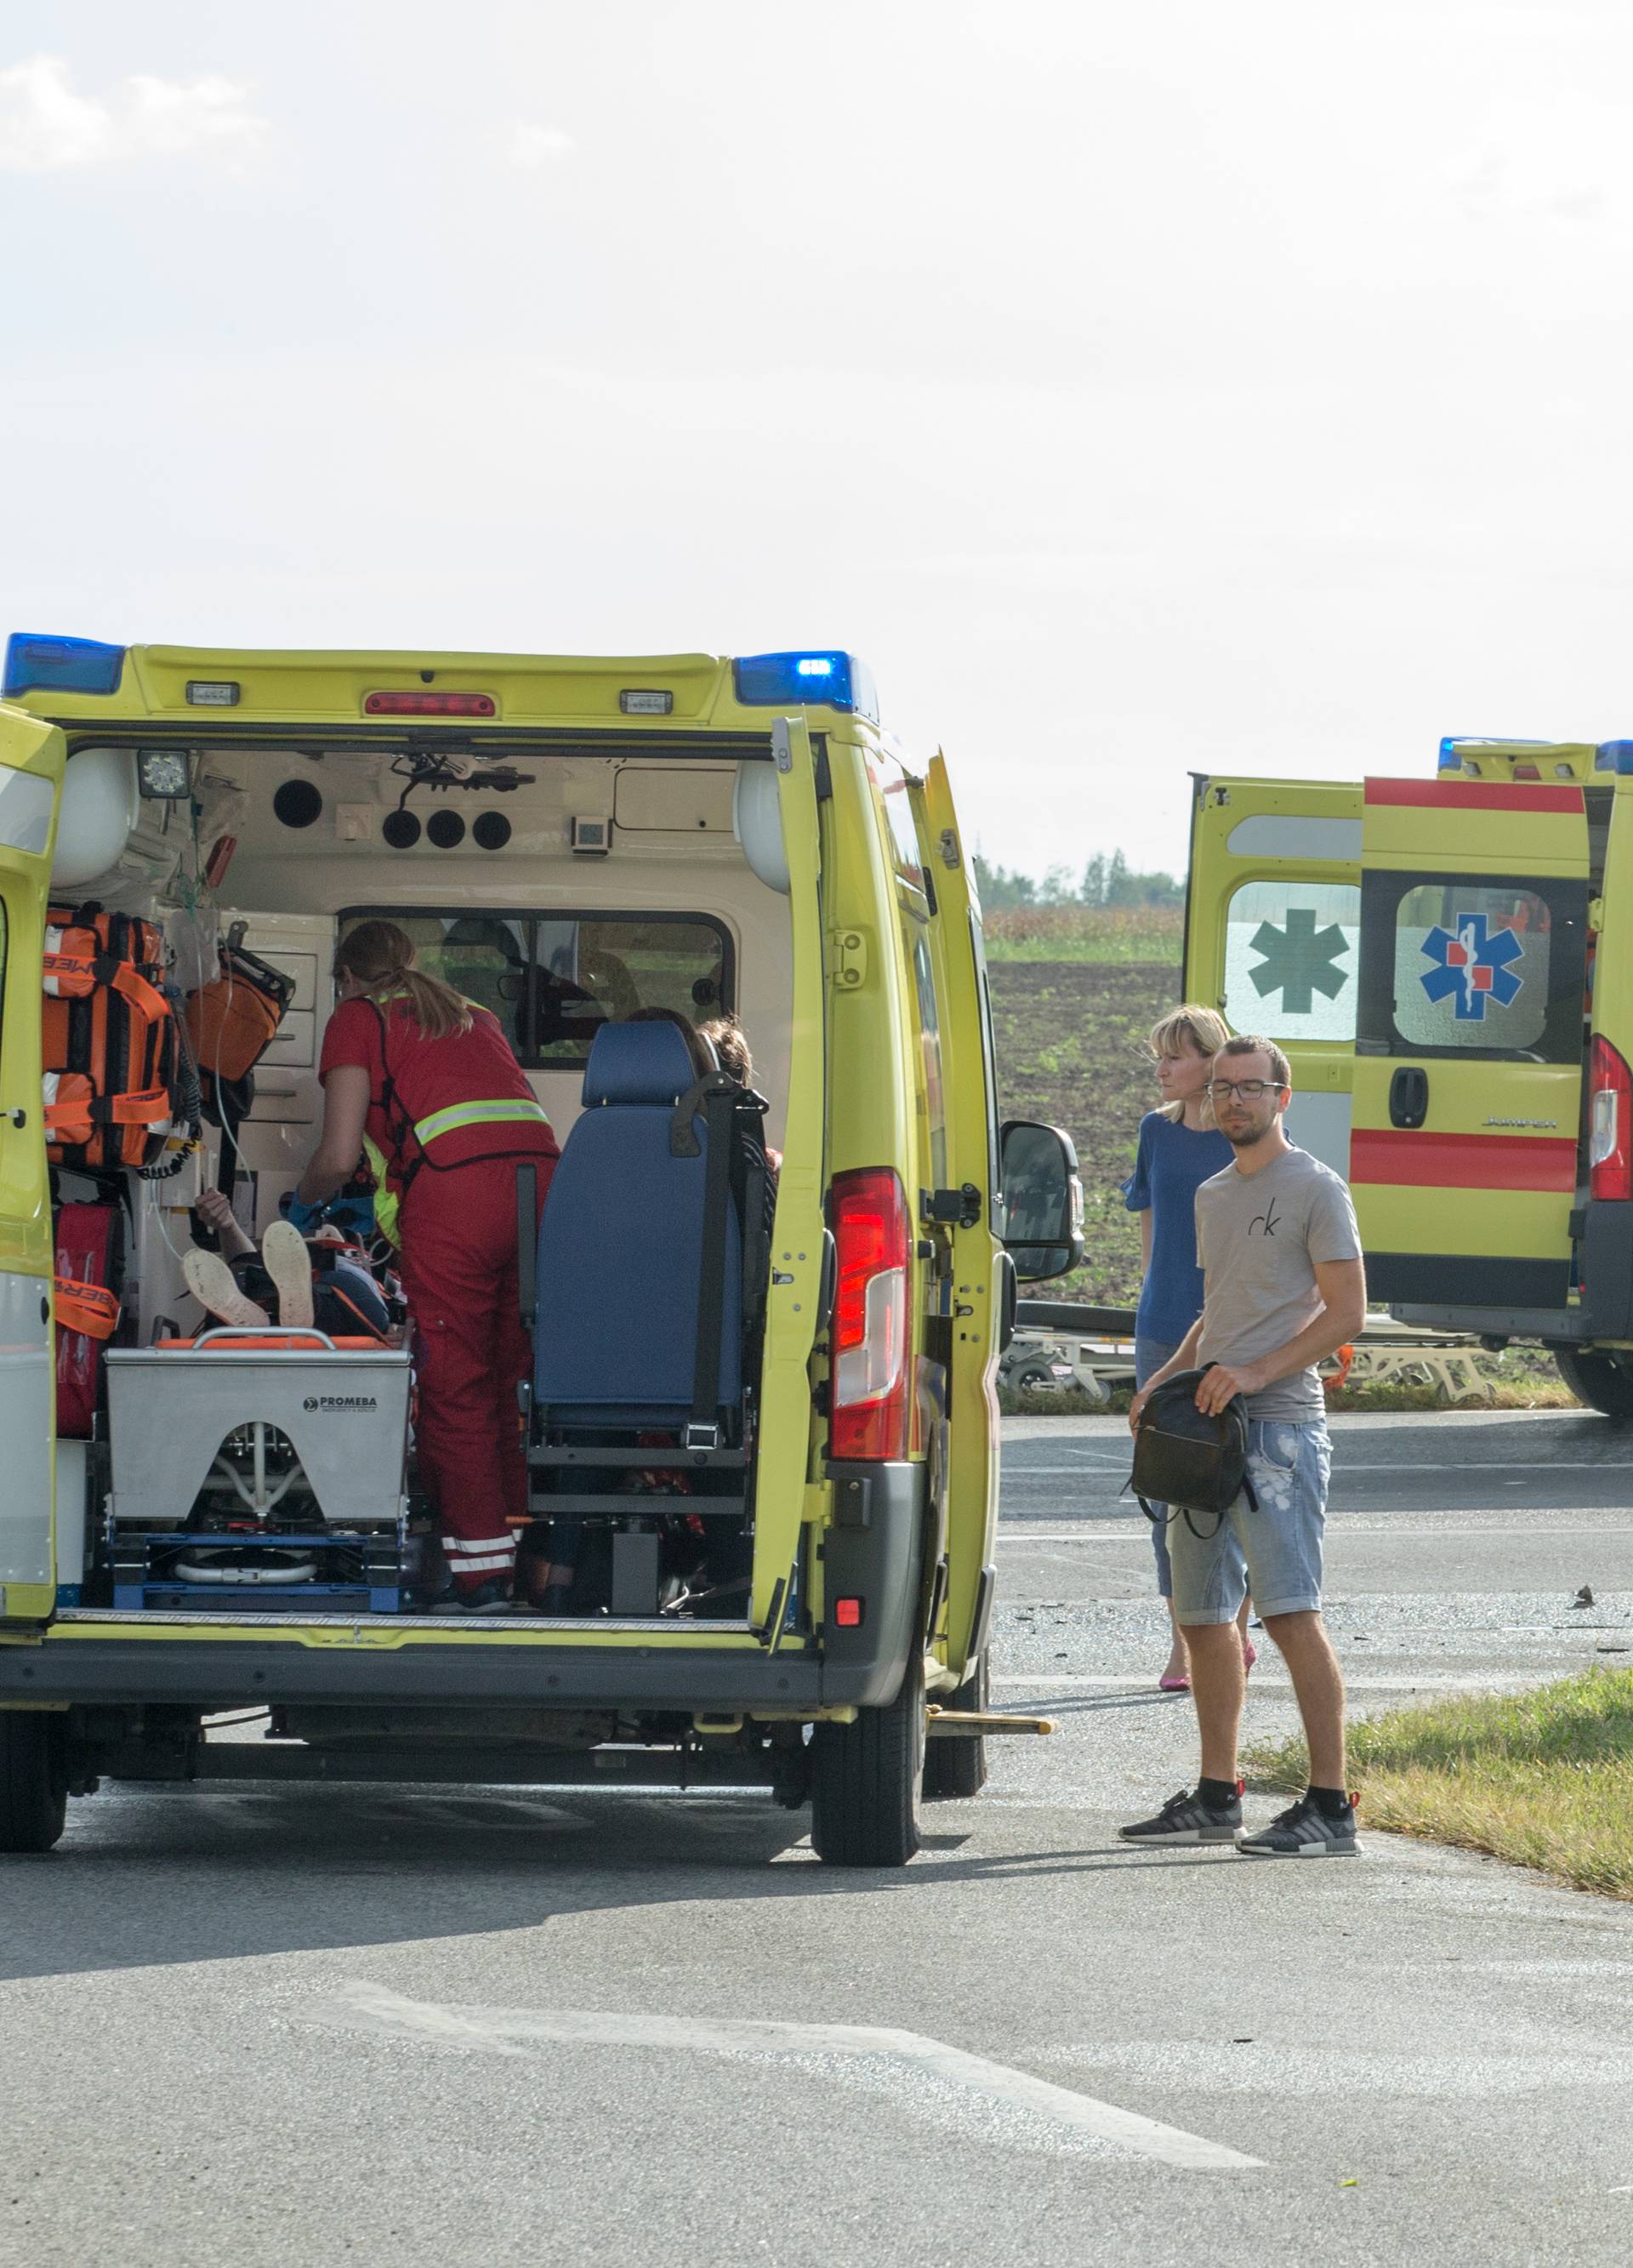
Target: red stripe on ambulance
column 1473, row 795
column 1461, row 1161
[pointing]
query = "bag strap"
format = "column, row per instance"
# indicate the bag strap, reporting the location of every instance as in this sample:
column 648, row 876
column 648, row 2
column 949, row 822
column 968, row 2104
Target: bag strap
column 705, row 1418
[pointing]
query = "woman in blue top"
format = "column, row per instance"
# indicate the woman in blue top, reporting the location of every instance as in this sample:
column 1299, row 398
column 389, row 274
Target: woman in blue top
column 1180, row 1149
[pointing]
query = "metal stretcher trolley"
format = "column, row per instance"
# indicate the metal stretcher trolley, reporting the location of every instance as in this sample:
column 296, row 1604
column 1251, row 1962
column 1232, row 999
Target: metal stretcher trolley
column 267, row 1461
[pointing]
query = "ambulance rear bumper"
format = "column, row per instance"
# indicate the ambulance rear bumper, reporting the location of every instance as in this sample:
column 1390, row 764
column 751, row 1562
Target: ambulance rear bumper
column 212, row 1672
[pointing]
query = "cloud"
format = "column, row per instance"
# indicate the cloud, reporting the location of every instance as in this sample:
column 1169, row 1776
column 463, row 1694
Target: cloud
column 530, row 147
column 46, row 126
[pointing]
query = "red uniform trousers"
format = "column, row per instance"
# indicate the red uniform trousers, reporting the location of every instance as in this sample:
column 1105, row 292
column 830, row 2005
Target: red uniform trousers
column 459, row 1271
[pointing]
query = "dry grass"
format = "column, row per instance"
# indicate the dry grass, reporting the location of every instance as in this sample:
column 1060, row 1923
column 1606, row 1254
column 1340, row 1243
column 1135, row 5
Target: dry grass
column 1544, row 1779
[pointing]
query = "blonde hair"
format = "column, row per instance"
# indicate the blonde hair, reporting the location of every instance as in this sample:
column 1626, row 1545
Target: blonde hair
column 380, row 957
column 1190, row 1024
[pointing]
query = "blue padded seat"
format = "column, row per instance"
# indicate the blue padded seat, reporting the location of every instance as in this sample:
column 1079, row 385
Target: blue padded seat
column 621, row 1247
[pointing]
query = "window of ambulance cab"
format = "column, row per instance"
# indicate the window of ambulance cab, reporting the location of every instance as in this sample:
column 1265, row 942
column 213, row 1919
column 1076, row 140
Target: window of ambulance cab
column 1292, row 960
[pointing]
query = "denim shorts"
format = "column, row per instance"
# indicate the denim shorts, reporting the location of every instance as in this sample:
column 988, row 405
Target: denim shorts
column 1275, row 1551
column 1149, row 1356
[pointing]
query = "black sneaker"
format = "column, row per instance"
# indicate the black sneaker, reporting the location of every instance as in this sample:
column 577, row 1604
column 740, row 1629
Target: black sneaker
column 1186, row 1818
column 491, row 1598
column 1303, row 1830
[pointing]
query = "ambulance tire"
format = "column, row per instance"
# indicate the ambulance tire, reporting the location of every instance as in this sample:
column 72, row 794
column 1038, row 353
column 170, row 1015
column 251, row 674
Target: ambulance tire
column 865, row 1779
column 33, row 1787
column 1599, row 1381
column 956, row 1770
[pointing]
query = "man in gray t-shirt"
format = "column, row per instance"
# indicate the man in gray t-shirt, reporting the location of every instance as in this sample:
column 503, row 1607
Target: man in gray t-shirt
column 1282, row 1286
column 1260, row 1237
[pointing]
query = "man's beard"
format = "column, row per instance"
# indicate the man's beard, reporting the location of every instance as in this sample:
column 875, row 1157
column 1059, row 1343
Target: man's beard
column 1246, row 1136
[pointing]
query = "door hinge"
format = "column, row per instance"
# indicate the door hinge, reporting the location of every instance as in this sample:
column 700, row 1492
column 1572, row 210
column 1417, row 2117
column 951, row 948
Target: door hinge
column 949, row 846
column 960, row 1208
column 848, row 958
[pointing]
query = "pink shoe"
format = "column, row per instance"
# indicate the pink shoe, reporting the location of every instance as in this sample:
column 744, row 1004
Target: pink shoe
column 1180, row 1684
column 1250, row 1654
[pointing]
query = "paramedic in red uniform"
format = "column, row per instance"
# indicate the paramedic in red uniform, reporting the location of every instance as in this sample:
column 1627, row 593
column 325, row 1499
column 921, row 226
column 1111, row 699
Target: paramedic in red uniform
column 430, row 1079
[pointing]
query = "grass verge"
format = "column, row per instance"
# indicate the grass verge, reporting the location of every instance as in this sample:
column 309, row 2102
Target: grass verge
column 1544, row 1779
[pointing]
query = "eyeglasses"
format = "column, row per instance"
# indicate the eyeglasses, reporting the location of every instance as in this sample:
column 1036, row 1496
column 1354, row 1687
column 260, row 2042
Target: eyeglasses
column 1249, row 1089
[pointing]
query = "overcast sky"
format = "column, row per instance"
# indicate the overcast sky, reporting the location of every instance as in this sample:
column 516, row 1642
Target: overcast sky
column 1139, row 388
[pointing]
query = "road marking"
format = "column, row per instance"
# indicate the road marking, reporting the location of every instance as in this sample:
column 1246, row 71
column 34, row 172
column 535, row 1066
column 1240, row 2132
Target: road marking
column 1101, row 1531
column 1409, row 1684
column 1341, row 1465
column 363, row 2007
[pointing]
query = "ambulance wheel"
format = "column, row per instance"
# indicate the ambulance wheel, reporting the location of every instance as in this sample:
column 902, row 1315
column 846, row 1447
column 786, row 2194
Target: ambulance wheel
column 33, row 1787
column 955, row 1770
column 865, row 1781
column 1599, row 1381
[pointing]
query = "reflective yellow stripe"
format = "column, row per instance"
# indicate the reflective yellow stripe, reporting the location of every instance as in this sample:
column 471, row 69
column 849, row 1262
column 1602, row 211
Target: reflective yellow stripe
column 386, row 1202
column 476, row 1114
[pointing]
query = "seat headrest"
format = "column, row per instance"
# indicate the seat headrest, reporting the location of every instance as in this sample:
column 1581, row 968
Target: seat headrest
column 637, row 1063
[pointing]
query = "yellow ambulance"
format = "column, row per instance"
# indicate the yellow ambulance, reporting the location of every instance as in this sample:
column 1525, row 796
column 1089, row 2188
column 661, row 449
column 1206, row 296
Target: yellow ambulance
column 780, row 1581
column 1440, row 958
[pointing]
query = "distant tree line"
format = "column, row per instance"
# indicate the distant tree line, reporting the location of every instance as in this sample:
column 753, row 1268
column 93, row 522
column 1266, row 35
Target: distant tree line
column 1103, row 882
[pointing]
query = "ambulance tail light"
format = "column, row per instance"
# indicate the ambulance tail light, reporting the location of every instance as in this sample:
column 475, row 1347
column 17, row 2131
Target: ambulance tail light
column 1610, row 1124
column 870, row 1414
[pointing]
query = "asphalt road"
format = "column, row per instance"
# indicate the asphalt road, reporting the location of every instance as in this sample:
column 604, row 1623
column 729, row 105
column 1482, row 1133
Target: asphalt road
column 318, row 2024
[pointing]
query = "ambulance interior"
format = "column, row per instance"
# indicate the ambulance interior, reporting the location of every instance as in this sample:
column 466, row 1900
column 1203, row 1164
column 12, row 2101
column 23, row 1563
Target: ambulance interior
column 561, row 887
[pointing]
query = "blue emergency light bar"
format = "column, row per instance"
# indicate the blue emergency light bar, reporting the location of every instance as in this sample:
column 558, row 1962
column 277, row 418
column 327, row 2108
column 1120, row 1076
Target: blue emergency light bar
column 1613, row 756
column 774, row 681
column 36, row 664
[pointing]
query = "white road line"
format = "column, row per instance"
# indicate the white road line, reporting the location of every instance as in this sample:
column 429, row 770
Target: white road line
column 1073, row 1679
column 1101, row 1531
column 363, row 2007
column 1342, row 1467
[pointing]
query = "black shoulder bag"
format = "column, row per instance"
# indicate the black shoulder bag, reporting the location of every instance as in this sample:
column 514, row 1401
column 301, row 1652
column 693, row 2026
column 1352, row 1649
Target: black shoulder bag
column 1191, row 1458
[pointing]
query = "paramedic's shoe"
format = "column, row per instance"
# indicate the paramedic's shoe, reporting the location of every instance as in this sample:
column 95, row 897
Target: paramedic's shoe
column 1186, row 1818
column 215, row 1287
column 490, row 1598
column 1303, row 1830
column 284, row 1257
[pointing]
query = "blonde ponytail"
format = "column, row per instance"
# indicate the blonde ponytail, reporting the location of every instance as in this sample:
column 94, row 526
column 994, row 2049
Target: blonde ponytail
column 380, row 957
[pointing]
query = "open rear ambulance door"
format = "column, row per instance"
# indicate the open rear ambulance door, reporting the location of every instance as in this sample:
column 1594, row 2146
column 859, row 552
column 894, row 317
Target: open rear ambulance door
column 1272, row 929
column 977, row 1284
column 783, row 1493
column 32, row 757
column 1469, row 1042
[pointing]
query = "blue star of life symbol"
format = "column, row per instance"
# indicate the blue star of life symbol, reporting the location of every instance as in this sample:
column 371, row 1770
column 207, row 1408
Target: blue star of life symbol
column 1472, row 967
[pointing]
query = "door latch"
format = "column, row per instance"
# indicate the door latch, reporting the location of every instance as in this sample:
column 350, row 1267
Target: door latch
column 1408, row 1097
column 959, row 1208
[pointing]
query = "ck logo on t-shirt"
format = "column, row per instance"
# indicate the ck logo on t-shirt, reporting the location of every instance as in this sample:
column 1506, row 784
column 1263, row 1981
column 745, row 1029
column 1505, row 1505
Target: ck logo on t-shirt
column 1263, row 1224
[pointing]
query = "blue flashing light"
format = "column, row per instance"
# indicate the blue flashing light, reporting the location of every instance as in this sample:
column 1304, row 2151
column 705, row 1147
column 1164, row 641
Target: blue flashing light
column 1613, row 756
column 35, row 664
column 774, row 681
column 1449, row 761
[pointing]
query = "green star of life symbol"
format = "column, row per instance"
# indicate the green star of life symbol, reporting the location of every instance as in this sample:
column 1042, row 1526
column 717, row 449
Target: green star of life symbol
column 1298, row 961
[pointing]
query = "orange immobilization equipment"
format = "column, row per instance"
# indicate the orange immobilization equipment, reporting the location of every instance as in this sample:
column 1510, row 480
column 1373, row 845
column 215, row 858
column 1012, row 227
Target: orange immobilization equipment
column 91, row 1308
column 116, row 1077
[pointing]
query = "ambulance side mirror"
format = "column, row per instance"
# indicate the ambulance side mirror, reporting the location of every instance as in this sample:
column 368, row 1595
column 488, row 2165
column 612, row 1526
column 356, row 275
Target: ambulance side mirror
column 1043, row 1196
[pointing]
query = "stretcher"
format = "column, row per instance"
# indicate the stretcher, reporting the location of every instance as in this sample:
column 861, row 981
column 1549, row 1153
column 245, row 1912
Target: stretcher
column 270, row 1460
